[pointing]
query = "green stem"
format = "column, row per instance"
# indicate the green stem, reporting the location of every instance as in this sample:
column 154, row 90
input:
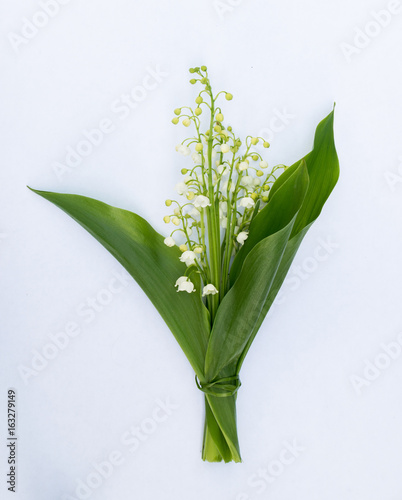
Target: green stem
column 215, row 447
column 213, row 219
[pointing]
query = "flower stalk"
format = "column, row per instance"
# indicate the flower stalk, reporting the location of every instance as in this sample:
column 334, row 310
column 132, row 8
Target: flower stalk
column 219, row 187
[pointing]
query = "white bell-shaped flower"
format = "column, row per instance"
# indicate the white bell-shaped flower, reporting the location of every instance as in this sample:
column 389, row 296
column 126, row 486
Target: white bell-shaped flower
column 209, row 290
column 184, row 284
column 182, row 188
column 201, row 201
column 247, row 202
column 247, row 181
column 196, row 158
column 183, row 150
column 222, row 169
column 241, row 237
column 169, row 241
column 188, row 258
column 194, row 213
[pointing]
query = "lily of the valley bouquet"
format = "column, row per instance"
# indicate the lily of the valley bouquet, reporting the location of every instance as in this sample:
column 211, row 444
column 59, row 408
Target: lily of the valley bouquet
column 234, row 236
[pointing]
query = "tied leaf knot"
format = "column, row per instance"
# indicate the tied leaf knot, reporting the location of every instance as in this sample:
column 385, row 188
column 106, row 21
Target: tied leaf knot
column 220, row 388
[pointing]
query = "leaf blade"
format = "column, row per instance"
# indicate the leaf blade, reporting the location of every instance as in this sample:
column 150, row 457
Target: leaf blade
column 155, row 267
column 323, row 168
column 241, row 307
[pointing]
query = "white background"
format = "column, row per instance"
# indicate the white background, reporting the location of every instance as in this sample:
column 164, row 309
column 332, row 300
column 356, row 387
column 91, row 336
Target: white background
column 274, row 57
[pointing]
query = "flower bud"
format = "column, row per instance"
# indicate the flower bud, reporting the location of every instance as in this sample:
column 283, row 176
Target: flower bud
column 218, row 128
column 260, row 173
column 176, row 211
column 198, row 111
column 166, row 219
column 183, row 248
column 168, row 203
column 266, row 187
column 198, row 250
column 192, row 81
column 225, row 148
column 204, row 80
column 190, row 196
column 263, row 164
column 266, row 144
column 192, row 70
column 230, row 128
column 254, row 196
column 254, row 140
column 186, row 122
column 255, row 157
column 198, row 147
column 199, row 100
column 219, row 117
column 229, row 96
column 265, row 199
column 175, row 121
column 176, row 221
column 184, row 171
column 177, row 111
column 204, row 68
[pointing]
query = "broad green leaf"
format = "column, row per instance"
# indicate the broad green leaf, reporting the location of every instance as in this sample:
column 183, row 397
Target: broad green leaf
column 240, row 309
column 274, row 216
column 287, row 259
column 323, row 168
column 323, row 171
column 155, row 267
